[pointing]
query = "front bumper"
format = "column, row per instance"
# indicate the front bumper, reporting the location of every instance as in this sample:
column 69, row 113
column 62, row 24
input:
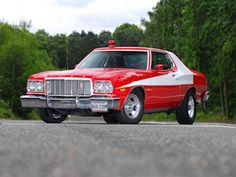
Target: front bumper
column 31, row 101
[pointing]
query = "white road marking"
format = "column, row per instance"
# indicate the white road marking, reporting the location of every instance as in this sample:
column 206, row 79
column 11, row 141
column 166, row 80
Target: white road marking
column 196, row 125
column 79, row 123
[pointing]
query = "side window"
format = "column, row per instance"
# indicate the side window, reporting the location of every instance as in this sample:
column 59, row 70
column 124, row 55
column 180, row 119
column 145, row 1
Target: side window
column 161, row 58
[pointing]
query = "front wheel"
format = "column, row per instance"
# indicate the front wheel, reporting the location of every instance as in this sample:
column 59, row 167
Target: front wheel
column 186, row 113
column 110, row 118
column 132, row 111
column 51, row 116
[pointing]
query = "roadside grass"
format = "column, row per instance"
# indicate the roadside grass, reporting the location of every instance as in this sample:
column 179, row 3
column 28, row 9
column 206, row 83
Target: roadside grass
column 201, row 117
column 160, row 117
column 215, row 117
column 7, row 114
column 209, row 116
column 5, row 111
column 33, row 115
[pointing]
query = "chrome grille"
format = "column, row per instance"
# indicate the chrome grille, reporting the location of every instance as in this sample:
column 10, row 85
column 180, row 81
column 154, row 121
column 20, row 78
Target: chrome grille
column 68, row 87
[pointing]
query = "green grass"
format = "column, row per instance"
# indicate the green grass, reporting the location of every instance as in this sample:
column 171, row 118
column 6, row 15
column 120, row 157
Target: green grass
column 201, row 116
column 33, row 115
column 212, row 115
column 160, row 117
column 5, row 111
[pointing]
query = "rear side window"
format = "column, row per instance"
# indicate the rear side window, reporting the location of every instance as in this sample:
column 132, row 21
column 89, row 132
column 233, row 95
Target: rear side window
column 161, row 58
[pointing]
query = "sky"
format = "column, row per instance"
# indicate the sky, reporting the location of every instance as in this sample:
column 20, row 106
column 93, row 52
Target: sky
column 66, row 16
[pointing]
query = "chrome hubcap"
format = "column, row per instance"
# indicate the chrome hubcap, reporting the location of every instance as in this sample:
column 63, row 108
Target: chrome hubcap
column 191, row 107
column 132, row 106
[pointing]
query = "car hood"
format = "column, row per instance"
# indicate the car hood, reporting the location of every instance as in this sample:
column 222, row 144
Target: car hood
column 114, row 74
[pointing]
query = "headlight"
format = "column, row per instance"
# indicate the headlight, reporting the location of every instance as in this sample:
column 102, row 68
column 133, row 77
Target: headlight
column 31, row 86
column 103, row 87
column 35, row 86
column 39, row 86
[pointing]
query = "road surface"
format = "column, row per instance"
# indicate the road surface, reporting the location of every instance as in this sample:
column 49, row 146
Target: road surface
column 95, row 149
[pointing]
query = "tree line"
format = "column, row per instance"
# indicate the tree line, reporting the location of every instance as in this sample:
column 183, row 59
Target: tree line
column 201, row 33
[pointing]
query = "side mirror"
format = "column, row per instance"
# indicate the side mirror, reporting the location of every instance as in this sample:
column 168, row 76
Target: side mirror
column 159, row 67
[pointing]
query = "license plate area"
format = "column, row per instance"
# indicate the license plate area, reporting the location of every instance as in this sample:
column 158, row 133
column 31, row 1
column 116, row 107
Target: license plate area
column 99, row 106
column 61, row 104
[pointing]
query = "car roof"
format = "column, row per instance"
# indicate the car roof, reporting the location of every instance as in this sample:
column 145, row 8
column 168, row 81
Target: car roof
column 131, row 48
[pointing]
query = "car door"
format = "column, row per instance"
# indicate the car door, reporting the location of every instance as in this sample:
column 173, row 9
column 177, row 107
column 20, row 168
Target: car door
column 165, row 90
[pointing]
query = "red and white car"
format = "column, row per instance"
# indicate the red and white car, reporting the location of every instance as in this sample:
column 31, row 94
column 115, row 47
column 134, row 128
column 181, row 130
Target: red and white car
column 121, row 84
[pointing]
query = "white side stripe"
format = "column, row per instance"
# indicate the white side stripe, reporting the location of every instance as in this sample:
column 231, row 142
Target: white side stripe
column 165, row 80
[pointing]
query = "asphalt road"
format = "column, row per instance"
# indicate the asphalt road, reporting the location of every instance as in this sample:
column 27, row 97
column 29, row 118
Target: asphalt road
column 95, row 149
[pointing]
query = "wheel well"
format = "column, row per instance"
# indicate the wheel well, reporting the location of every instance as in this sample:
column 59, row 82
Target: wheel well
column 141, row 89
column 192, row 89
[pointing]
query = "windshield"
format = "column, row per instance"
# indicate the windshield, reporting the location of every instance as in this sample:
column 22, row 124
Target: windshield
column 115, row 59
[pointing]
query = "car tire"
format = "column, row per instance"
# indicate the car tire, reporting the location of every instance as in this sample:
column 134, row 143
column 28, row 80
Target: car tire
column 133, row 109
column 51, row 116
column 110, row 118
column 186, row 113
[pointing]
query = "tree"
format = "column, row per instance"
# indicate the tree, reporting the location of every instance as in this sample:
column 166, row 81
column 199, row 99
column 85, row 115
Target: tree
column 128, row 35
column 80, row 45
column 19, row 58
column 104, row 38
column 57, row 50
column 43, row 39
column 203, row 34
column 67, row 51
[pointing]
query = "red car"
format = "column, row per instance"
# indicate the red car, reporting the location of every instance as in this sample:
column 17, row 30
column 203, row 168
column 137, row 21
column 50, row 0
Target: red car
column 121, row 84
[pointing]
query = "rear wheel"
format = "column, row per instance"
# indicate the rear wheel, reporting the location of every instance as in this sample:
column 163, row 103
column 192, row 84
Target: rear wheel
column 51, row 116
column 186, row 113
column 132, row 111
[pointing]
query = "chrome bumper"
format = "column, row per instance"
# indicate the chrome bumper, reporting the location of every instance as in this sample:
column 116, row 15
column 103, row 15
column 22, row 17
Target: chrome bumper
column 31, row 101
column 206, row 96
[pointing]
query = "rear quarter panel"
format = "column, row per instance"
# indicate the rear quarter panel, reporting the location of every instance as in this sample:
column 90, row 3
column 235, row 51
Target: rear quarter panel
column 200, row 83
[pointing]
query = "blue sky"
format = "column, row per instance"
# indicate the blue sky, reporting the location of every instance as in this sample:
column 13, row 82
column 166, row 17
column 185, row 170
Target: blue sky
column 65, row 16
